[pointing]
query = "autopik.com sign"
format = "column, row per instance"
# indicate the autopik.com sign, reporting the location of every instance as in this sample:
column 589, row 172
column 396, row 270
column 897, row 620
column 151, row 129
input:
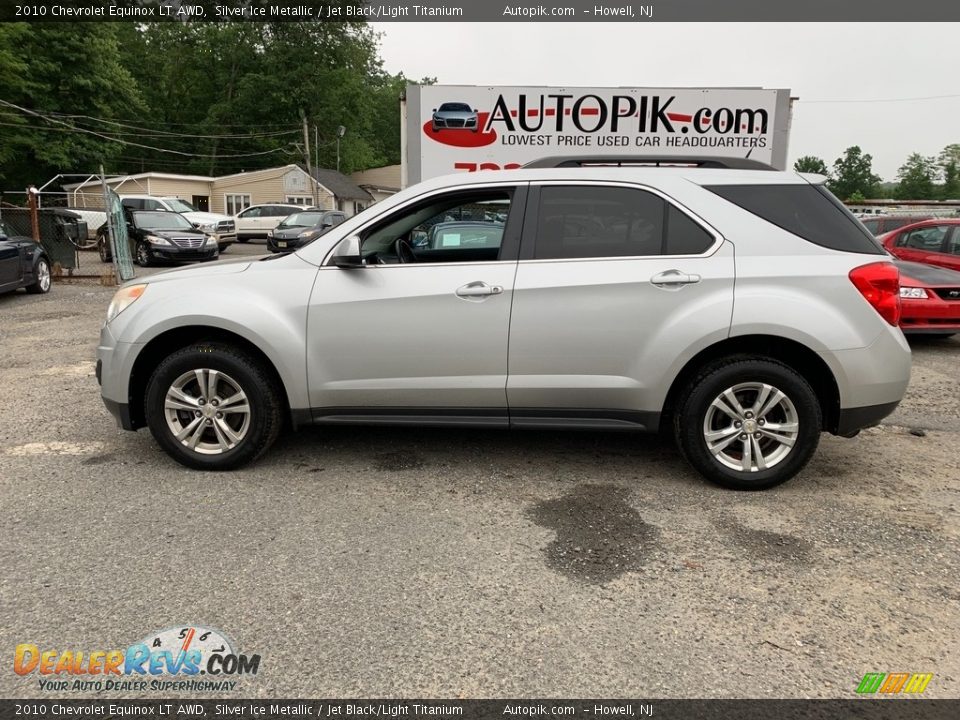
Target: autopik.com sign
column 468, row 128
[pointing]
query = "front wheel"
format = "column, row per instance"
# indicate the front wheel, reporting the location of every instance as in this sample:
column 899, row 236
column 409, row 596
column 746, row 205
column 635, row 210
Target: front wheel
column 42, row 279
column 211, row 406
column 143, row 254
column 103, row 247
column 748, row 423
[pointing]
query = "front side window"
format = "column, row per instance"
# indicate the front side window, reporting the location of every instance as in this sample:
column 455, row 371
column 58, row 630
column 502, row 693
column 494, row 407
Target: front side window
column 180, row 206
column 251, row 213
column 929, row 239
column 459, row 227
column 607, row 222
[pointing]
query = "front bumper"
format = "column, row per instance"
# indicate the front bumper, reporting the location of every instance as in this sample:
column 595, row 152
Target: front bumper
column 273, row 244
column 170, row 254
column 932, row 315
column 114, row 365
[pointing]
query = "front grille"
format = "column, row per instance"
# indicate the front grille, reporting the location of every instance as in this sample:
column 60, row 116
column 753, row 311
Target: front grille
column 452, row 122
column 188, row 242
column 948, row 293
column 226, row 226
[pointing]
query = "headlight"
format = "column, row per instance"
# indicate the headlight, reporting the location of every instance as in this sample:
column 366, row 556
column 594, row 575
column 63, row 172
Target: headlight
column 206, row 227
column 913, row 293
column 307, row 234
column 157, row 240
column 124, row 298
column 211, row 240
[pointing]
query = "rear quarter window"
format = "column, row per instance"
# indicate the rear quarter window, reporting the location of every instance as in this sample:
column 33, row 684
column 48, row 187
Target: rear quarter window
column 808, row 211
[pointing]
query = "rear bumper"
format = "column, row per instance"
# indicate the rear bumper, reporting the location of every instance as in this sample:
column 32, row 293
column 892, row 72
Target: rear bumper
column 853, row 420
column 120, row 412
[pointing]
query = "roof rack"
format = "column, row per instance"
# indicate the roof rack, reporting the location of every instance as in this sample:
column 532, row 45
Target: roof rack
column 700, row 161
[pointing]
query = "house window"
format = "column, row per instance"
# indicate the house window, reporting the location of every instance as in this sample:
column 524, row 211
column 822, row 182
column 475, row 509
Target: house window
column 357, row 207
column 236, row 203
column 299, row 200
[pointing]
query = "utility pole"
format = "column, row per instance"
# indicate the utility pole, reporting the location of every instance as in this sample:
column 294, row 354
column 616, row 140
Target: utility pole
column 306, row 157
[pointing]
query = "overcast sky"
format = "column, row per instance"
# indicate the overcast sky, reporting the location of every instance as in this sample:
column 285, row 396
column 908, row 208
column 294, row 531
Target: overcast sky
column 816, row 61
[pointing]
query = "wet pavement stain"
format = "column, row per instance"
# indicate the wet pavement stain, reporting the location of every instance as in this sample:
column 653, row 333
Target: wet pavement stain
column 781, row 547
column 599, row 535
column 397, row 461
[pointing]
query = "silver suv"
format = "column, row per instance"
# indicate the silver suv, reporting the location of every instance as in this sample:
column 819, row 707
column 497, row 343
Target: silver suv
column 739, row 309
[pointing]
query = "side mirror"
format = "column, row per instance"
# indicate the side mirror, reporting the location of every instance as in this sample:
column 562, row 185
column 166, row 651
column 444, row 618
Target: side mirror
column 347, row 253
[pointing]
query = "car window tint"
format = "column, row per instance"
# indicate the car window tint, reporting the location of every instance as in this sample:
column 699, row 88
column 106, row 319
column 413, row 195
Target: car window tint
column 455, row 227
column 928, row 238
column 684, row 236
column 808, row 211
column 953, row 247
column 587, row 221
column 872, row 225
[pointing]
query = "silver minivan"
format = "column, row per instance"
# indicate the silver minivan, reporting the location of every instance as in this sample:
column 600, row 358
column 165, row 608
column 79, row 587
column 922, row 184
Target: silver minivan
column 739, row 309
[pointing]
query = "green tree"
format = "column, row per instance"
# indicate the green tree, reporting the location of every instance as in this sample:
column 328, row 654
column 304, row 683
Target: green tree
column 61, row 72
column 811, row 164
column 916, row 178
column 854, row 173
column 949, row 163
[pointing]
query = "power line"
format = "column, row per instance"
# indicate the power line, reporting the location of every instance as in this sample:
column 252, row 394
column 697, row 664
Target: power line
column 170, row 124
column 164, row 133
column 110, row 138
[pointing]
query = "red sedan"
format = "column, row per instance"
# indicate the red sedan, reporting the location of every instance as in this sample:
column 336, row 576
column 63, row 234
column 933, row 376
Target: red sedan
column 934, row 242
column 929, row 299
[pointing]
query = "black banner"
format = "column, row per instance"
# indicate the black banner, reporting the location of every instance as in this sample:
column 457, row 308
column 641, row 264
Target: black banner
column 869, row 709
column 631, row 11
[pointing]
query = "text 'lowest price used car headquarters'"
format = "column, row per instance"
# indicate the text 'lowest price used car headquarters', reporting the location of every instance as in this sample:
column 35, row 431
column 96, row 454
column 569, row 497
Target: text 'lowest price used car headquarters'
column 741, row 309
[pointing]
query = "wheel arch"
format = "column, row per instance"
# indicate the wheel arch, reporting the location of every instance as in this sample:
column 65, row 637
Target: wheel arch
column 790, row 352
column 174, row 339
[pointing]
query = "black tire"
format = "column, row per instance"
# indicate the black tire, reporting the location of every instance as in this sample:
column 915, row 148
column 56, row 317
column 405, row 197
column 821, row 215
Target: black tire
column 44, row 281
column 694, row 409
column 103, row 247
column 241, row 370
column 141, row 254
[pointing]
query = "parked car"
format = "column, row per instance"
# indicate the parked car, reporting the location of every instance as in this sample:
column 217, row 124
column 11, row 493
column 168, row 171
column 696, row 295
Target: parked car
column 222, row 226
column 161, row 236
column 880, row 224
column 930, row 297
column 934, row 242
column 741, row 310
column 454, row 116
column 257, row 221
column 23, row 263
column 302, row 227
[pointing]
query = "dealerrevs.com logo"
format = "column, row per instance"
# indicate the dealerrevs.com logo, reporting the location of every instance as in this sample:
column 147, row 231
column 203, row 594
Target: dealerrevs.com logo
column 182, row 658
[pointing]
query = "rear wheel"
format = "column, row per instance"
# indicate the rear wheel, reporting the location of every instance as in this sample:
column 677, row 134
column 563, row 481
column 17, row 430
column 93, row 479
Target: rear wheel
column 103, row 247
column 211, row 406
column 748, row 423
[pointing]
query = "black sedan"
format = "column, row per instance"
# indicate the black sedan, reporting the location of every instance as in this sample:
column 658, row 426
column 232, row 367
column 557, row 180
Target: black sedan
column 160, row 236
column 302, row 227
column 23, row 264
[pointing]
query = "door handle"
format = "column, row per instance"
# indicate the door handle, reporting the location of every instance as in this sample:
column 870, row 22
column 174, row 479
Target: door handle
column 672, row 278
column 478, row 289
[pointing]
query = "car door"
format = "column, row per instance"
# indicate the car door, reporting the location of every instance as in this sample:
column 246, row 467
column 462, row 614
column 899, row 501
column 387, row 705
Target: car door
column 951, row 258
column 616, row 285
column 11, row 269
column 424, row 339
column 923, row 244
column 247, row 222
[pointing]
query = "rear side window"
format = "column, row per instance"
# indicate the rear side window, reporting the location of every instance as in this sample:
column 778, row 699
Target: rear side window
column 601, row 222
column 809, row 211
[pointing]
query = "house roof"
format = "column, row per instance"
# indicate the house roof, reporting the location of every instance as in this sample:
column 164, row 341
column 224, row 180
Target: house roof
column 340, row 185
column 138, row 176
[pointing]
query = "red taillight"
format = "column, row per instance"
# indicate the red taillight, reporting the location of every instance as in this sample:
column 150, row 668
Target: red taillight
column 879, row 283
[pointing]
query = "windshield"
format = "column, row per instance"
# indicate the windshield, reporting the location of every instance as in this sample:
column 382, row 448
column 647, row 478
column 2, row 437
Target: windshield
column 161, row 221
column 302, row 219
column 455, row 107
column 179, row 206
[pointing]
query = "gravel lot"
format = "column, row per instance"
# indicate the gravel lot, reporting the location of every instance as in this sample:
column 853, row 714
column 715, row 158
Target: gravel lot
column 441, row 563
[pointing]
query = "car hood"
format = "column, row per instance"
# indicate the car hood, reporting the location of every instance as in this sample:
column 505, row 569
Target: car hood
column 928, row 274
column 223, row 267
column 205, row 217
column 290, row 233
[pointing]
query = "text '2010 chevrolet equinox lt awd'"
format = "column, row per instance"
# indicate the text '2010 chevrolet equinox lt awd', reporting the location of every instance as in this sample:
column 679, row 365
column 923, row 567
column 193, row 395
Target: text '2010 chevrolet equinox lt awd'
column 742, row 309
